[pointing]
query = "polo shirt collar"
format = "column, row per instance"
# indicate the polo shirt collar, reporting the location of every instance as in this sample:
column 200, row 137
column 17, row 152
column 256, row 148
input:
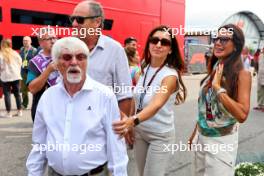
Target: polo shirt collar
column 101, row 42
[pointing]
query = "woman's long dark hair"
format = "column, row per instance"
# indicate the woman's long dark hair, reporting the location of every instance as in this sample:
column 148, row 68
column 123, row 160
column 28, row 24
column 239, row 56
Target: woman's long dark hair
column 232, row 64
column 173, row 60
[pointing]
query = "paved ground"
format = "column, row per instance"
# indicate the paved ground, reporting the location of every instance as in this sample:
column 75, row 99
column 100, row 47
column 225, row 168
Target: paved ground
column 15, row 135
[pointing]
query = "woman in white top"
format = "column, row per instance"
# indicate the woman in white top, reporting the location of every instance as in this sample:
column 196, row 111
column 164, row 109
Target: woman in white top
column 155, row 95
column 10, row 67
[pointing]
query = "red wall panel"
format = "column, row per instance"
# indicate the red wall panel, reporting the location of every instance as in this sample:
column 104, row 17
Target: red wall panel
column 131, row 17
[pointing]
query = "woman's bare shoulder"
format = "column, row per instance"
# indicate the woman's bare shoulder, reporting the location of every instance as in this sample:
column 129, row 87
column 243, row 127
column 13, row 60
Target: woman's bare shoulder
column 244, row 76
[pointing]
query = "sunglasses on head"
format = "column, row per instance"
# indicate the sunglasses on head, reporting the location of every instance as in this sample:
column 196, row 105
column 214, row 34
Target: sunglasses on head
column 223, row 40
column 80, row 19
column 79, row 57
column 163, row 42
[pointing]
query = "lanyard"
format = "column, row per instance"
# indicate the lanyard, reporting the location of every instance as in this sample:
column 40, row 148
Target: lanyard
column 25, row 61
column 26, row 53
column 142, row 95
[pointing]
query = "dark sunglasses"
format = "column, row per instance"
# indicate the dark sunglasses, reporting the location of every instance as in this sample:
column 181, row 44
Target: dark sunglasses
column 68, row 57
column 163, row 42
column 223, row 40
column 80, row 19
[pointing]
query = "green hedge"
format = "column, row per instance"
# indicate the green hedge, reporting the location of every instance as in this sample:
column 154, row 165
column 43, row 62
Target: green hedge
column 250, row 169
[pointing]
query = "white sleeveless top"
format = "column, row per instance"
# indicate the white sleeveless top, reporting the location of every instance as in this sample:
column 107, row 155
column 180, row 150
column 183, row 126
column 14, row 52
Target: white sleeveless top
column 163, row 120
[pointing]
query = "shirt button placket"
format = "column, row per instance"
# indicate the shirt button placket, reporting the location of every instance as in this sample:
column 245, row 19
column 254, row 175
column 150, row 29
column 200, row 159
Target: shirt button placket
column 66, row 138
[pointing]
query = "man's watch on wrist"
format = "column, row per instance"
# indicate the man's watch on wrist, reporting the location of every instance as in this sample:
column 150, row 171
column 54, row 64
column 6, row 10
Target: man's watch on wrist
column 136, row 120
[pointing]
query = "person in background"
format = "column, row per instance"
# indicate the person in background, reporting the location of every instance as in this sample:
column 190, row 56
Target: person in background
column 1, row 89
column 260, row 91
column 39, row 49
column 10, row 69
column 42, row 72
column 223, row 103
column 27, row 52
column 246, row 58
column 130, row 43
column 207, row 55
column 134, row 67
column 156, row 93
column 1, row 95
column 256, row 60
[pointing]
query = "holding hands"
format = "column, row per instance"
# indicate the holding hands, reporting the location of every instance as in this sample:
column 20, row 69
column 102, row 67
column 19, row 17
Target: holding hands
column 125, row 128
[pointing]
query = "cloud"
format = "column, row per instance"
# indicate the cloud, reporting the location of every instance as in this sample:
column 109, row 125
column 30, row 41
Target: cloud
column 212, row 13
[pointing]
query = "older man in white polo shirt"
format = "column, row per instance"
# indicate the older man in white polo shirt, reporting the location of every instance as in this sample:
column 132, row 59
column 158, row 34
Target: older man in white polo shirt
column 73, row 132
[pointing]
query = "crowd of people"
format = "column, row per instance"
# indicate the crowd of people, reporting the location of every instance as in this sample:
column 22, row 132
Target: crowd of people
column 75, row 105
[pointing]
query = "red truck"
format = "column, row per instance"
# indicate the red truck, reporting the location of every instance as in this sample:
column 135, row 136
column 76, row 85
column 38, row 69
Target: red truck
column 124, row 18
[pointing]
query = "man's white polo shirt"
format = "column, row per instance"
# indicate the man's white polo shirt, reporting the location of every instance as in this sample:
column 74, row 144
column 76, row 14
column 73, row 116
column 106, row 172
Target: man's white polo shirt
column 77, row 131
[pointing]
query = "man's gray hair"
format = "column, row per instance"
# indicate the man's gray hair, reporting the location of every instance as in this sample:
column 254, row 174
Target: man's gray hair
column 71, row 44
column 45, row 31
column 97, row 10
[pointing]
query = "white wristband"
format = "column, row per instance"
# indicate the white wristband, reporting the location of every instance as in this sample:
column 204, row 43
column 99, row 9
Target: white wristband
column 221, row 90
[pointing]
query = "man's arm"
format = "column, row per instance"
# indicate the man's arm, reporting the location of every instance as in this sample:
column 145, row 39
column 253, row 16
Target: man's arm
column 38, row 83
column 125, row 106
column 124, row 81
column 116, row 148
column 36, row 162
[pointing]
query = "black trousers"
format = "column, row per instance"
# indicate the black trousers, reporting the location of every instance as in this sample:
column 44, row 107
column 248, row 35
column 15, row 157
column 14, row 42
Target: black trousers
column 7, row 88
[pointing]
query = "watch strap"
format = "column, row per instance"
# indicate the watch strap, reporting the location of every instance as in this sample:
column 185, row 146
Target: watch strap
column 136, row 120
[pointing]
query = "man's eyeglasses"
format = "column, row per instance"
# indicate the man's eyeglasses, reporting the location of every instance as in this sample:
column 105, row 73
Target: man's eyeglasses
column 79, row 57
column 49, row 39
column 80, row 19
column 163, row 42
column 223, row 40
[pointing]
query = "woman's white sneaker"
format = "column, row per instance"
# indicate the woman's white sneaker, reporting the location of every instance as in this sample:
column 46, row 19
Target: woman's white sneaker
column 8, row 115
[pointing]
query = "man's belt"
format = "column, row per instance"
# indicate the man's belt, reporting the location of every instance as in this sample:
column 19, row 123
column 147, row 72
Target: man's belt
column 94, row 171
column 97, row 170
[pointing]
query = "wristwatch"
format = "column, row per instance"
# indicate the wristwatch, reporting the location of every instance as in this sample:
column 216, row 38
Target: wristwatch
column 136, row 120
column 221, row 90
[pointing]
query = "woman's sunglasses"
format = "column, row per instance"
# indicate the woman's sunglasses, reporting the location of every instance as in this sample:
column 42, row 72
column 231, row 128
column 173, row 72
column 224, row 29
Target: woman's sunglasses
column 163, row 42
column 223, row 40
column 80, row 19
